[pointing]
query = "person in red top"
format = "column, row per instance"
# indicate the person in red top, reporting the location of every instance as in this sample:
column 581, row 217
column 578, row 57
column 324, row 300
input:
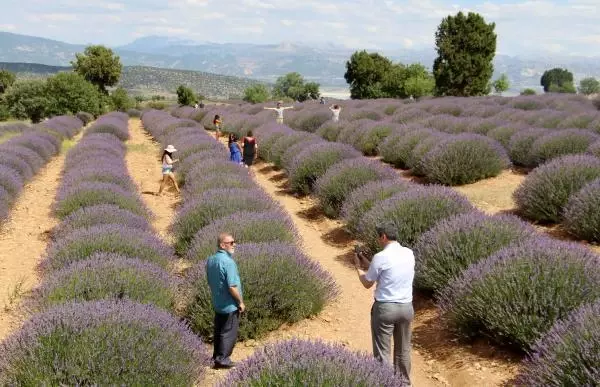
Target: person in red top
column 250, row 149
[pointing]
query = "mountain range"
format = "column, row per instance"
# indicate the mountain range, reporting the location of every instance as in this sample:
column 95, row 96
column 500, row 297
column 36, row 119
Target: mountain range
column 324, row 63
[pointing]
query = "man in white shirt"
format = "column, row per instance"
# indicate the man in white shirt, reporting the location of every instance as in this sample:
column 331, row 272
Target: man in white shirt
column 279, row 109
column 393, row 270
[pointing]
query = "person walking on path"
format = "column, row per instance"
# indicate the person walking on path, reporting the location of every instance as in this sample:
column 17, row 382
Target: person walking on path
column 217, row 123
column 250, row 149
column 335, row 112
column 235, row 151
column 226, row 294
column 392, row 313
column 279, row 109
column 167, row 168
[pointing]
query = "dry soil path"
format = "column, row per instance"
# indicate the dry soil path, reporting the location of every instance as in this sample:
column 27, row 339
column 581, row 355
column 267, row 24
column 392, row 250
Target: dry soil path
column 24, row 237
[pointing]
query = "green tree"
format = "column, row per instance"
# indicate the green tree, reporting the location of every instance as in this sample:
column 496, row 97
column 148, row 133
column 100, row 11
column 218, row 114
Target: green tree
column 466, row 46
column 367, row 75
column 528, row 91
column 589, row 86
column 256, row 94
column 557, row 80
column 405, row 81
column 292, row 86
column 99, row 65
column 185, row 96
column 6, row 80
column 501, row 84
column 120, row 100
column 69, row 93
column 27, row 99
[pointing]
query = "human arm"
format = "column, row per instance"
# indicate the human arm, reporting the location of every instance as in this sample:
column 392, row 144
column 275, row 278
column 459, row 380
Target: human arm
column 233, row 290
column 362, row 275
column 268, row 108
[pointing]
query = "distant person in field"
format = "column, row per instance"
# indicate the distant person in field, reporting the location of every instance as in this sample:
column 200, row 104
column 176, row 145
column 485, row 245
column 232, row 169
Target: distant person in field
column 227, row 301
column 322, row 101
column 279, row 109
column 196, row 106
column 250, row 149
column 335, row 112
column 201, row 105
column 217, row 122
column 235, row 151
column 393, row 270
column 167, row 168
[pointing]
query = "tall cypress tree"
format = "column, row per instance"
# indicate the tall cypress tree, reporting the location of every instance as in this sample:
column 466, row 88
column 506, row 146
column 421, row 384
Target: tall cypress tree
column 466, row 46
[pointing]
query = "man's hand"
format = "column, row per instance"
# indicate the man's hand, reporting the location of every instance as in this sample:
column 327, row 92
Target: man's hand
column 357, row 261
column 242, row 307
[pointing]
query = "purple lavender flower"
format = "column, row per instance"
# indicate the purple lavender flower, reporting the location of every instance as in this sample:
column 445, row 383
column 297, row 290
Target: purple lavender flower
column 581, row 215
column 396, row 149
column 517, row 294
column 311, row 363
column 561, row 143
column 10, row 180
column 108, row 238
column 90, row 340
column 519, row 147
column 594, row 149
column 12, row 161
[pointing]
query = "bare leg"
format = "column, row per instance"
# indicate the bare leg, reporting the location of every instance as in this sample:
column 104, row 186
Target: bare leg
column 174, row 180
column 162, row 184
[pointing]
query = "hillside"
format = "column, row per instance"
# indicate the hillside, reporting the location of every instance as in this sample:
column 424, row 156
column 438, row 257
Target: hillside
column 151, row 80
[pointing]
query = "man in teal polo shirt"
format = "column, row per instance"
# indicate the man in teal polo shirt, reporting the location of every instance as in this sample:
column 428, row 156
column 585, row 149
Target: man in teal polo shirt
column 226, row 289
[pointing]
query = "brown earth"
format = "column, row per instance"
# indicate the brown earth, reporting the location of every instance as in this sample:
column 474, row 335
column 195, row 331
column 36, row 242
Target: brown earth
column 23, row 240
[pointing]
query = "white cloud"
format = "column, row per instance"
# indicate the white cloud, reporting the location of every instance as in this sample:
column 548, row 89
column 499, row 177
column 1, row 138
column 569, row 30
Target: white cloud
column 62, row 17
column 287, row 22
column 7, row 27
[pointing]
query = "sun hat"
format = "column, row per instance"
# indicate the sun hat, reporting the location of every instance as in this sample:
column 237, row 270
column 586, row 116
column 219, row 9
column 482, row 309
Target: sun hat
column 170, row 149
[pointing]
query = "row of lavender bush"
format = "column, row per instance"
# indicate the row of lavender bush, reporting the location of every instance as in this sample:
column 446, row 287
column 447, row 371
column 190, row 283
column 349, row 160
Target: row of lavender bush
column 450, row 141
column 281, row 284
column 479, row 267
column 22, row 156
column 106, row 298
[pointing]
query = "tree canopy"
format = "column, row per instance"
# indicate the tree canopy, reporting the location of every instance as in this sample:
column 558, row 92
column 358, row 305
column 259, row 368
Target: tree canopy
column 6, row 80
column 27, row 99
column 292, row 85
column 466, row 46
column 69, row 93
column 557, row 80
column 256, row 94
column 372, row 75
column 99, row 65
column 501, row 84
column 185, row 96
column 120, row 100
column 589, row 86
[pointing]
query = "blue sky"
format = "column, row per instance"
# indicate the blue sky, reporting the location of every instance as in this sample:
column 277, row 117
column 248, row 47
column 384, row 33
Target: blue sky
column 523, row 26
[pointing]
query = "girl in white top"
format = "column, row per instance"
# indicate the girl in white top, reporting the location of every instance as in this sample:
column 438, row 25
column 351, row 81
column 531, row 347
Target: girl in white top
column 335, row 111
column 279, row 109
column 167, row 168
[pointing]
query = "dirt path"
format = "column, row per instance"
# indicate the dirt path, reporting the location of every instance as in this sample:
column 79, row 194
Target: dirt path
column 143, row 156
column 23, row 239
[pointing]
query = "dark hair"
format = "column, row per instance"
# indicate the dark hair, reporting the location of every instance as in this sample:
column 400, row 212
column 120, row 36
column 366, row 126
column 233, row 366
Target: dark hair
column 388, row 229
column 249, row 134
column 336, row 106
column 217, row 116
column 164, row 154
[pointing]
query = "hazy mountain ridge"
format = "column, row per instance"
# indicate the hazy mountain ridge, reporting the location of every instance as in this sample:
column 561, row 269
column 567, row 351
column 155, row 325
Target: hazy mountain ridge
column 324, row 64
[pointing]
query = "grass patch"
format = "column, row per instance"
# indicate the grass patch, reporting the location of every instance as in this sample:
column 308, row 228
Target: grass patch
column 8, row 135
column 66, row 145
column 140, row 148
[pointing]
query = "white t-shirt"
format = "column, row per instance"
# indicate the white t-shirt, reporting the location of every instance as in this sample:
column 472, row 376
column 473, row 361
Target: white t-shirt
column 394, row 270
column 167, row 162
column 336, row 114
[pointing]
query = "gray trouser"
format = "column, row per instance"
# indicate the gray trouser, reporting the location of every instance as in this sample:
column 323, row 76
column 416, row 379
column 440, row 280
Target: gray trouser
column 225, row 336
column 389, row 318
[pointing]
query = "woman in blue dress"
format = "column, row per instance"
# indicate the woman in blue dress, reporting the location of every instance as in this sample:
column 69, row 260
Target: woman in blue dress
column 235, row 150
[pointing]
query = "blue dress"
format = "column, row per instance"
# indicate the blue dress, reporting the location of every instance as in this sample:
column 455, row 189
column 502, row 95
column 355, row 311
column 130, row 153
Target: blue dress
column 235, row 154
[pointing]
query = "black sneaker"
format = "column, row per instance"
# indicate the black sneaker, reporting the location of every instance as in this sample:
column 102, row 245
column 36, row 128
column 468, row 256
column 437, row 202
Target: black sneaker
column 224, row 366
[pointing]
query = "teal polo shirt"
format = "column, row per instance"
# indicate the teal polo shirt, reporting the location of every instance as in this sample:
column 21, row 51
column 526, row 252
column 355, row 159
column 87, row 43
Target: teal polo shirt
column 222, row 273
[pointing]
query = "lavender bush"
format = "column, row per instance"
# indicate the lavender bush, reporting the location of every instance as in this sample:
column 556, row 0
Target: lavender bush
column 453, row 244
column 86, row 217
column 285, row 142
column 110, row 123
column 280, row 285
column 416, row 159
column 464, row 159
column 311, row 363
column 362, row 199
column 211, row 205
column 581, row 215
column 108, row 276
column 312, row 162
column 594, row 149
column 85, row 117
column 10, row 181
column 87, row 194
column 330, row 130
column 546, row 190
column 517, row 294
column 34, row 160
column 413, row 212
column 569, row 354
column 106, row 238
column 519, row 147
column 102, row 343
column 397, row 148
column 290, row 153
column 195, row 187
column 342, row 178
column 16, row 163
column 246, row 227
column 561, row 143
column 503, row 134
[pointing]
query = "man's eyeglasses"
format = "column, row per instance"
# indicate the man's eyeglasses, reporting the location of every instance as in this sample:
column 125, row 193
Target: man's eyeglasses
column 229, row 243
